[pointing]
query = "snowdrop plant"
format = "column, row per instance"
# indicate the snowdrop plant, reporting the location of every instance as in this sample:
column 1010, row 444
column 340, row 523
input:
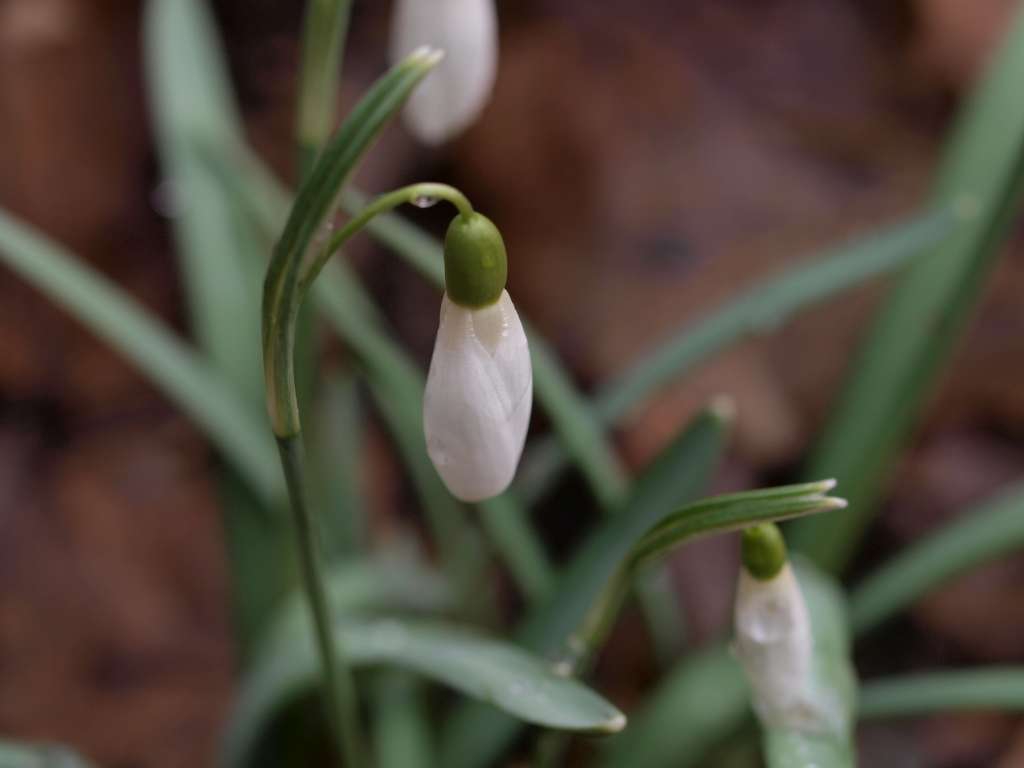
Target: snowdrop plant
column 456, row 91
column 479, row 389
column 793, row 639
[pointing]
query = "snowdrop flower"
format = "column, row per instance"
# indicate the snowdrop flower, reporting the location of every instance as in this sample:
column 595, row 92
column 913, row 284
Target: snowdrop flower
column 476, row 407
column 450, row 98
column 773, row 632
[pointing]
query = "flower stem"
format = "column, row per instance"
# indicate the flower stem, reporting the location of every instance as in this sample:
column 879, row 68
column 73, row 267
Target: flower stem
column 340, row 692
column 415, row 194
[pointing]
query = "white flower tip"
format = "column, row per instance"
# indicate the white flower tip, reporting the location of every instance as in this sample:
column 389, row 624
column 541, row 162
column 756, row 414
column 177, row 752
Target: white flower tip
column 450, row 98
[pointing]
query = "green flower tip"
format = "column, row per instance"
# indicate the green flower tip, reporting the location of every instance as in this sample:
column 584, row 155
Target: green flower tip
column 763, row 551
column 475, row 263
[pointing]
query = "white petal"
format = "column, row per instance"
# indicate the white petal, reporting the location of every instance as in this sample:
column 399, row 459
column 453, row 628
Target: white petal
column 775, row 646
column 454, row 93
column 476, row 407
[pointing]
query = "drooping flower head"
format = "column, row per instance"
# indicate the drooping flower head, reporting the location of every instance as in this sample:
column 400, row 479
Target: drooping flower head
column 479, row 393
column 773, row 630
column 450, row 97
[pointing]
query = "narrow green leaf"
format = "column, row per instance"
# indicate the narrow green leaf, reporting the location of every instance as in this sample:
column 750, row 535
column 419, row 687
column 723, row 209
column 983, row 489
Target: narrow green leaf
column 338, row 434
column 21, row 755
column 500, row 674
column 702, row 703
column 916, row 331
column 314, row 205
column 475, row 736
column 167, row 361
column 732, row 512
column 965, row 690
column 994, row 529
column 764, row 306
column 402, row 737
column 324, row 29
column 192, row 103
column 835, row 681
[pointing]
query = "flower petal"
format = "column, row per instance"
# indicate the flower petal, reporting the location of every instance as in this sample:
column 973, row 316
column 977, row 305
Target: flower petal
column 454, row 93
column 476, row 407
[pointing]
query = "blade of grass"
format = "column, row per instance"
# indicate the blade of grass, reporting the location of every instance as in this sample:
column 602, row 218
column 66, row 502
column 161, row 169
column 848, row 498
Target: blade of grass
column 498, row 673
column 702, row 703
column 967, row 690
column 169, row 363
column 992, row 530
column 917, row 329
column 402, row 734
column 191, row 99
column 338, row 437
column 764, row 306
column 324, row 29
column 475, row 736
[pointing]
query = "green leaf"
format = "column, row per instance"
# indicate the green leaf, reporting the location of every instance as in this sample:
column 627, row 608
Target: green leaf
column 475, row 736
column 916, row 331
column 765, row 305
column 338, row 437
column 21, row 755
column 500, row 674
column 324, row 29
column 192, row 103
column 402, row 737
column 704, row 701
column 221, row 261
column 994, row 529
column 966, row 690
column 834, row 680
column 168, row 362
column 314, row 205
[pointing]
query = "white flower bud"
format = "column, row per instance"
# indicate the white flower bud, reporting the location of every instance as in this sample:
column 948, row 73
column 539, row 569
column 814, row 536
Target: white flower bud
column 476, row 407
column 775, row 646
column 454, row 93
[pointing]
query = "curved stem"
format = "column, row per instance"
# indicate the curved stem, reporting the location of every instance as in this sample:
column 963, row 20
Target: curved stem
column 281, row 314
column 340, row 690
column 414, row 193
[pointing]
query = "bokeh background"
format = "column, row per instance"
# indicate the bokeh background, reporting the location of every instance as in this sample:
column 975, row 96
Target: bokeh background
column 645, row 161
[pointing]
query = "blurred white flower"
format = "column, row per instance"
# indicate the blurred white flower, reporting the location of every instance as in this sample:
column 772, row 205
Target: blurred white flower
column 479, row 392
column 775, row 646
column 454, row 93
